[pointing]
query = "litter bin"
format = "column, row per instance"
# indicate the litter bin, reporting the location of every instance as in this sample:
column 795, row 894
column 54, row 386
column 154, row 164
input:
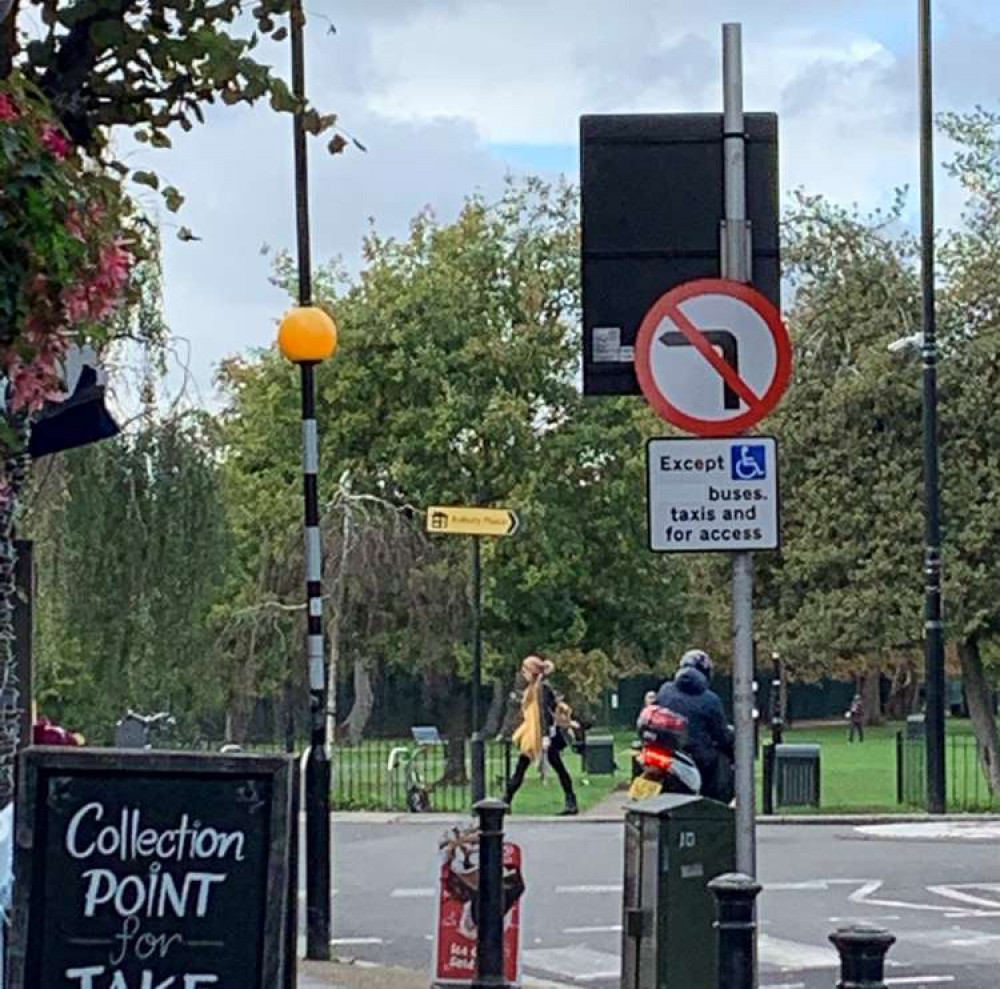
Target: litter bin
column 674, row 846
column 916, row 726
column 797, row 770
column 599, row 755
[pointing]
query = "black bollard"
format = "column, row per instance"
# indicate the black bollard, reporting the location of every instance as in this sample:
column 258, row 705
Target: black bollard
column 737, row 926
column 478, row 767
column 862, row 952
column 489, row 948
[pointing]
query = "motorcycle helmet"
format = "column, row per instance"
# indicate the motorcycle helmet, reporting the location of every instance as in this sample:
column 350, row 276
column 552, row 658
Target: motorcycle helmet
column 699, row 660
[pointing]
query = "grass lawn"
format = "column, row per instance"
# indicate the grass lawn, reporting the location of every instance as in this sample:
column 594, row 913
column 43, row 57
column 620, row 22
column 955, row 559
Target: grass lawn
column 855, row 778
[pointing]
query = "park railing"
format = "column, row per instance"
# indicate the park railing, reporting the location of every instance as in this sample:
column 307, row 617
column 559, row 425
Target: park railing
column 380, row 774
column 968, row 791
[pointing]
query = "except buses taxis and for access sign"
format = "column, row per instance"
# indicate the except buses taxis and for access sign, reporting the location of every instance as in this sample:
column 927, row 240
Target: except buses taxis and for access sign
column 713, row 495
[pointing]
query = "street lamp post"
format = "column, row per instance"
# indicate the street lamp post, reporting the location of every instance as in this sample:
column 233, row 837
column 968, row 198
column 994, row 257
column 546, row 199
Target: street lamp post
column 307, row 337
column 933, row 623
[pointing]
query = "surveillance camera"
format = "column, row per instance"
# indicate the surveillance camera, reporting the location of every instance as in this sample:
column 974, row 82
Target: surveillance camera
column 904, row 344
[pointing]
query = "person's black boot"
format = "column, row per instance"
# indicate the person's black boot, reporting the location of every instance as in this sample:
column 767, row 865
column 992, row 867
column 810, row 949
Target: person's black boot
column 571, row 809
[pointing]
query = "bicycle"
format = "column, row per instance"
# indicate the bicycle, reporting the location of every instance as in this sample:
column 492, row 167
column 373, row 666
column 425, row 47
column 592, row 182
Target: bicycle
column 404, row 760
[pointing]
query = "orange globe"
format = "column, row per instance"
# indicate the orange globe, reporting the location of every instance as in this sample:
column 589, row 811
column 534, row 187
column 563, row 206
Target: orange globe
column 307, row 335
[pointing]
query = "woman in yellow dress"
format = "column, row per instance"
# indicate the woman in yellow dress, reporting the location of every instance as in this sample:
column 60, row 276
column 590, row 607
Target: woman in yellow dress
column 541, row 729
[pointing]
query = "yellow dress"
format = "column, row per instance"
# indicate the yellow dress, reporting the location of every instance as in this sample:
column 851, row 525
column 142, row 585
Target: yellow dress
column 528, row 737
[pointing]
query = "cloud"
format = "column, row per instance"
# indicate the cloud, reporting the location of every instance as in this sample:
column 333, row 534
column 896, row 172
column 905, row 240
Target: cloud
column 448, row 94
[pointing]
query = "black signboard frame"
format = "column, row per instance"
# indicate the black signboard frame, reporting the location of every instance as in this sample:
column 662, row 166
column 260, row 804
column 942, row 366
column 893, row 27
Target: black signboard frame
column 652, row 206
column 40, row 763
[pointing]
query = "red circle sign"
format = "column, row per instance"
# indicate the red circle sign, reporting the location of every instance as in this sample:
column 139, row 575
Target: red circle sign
column 713, row 357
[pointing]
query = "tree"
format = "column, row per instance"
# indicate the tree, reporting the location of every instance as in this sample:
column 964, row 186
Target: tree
column 845, row 593
column 455, row 385
column 71, row 238
column 132, row 547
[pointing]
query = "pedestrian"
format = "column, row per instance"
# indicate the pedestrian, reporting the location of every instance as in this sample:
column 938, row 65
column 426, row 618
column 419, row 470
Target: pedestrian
column 856, row 716
column 709, row 738
column 542, row 723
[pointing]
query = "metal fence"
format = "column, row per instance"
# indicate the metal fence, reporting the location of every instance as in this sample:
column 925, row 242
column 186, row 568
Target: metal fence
column 968, row 790
column 376, row 774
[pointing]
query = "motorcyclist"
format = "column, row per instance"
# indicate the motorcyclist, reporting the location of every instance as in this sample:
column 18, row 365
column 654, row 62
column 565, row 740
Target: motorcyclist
column 709, row 739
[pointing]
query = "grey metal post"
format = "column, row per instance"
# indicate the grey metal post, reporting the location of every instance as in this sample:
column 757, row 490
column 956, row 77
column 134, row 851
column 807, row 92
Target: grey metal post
column 478, row 753
column 489, row 944
column 736, row 266
column 862, row 952
column 477, row 639
column 735, row 896
column 933, row 624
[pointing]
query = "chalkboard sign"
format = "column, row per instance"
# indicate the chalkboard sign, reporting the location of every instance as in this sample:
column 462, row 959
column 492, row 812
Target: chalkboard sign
column 150, row 870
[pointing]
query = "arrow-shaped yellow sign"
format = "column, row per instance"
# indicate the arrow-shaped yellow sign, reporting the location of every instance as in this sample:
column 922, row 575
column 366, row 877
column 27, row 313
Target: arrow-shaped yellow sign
column 471, row 521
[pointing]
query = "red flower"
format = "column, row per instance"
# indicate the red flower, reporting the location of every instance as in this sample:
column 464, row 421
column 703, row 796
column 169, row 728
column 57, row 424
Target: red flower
column 56, row 142
column 8, row 108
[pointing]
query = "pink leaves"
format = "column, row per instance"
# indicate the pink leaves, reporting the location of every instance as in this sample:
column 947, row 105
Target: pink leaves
column 56, row 142
column 96, row 296
column 8, row 108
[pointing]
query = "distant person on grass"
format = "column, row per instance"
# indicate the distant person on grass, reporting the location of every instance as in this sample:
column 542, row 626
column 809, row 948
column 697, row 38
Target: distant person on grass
column 540, row 729
column 856, row 716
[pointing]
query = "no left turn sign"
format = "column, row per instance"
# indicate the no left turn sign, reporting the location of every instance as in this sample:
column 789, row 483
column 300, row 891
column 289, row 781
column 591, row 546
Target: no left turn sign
column 713, row 357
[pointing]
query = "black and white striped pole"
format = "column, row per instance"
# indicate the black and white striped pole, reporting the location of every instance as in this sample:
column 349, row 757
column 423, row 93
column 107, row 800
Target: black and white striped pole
column 307, row 337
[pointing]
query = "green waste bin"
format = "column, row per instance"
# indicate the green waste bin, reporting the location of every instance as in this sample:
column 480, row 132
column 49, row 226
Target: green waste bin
column 599, row 755
column 797, row 770
column 674, row 847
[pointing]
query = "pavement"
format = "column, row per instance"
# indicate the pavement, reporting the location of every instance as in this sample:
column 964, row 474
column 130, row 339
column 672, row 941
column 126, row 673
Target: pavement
column 934, row 884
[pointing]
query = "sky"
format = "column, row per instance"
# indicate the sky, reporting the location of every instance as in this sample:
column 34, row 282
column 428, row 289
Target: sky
column 449, row 96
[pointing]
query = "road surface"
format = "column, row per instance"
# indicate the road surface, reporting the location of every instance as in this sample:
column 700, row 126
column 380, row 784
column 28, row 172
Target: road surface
column 939, row 895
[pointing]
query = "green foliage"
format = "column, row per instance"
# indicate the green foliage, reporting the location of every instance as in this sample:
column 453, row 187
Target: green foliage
column 847, row 591
column 131, row 540
column 150, row 67
column 455, row 384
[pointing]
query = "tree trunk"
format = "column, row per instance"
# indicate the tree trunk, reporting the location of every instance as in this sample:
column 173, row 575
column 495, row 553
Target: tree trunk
column 871, row 696
column 364, row 700
column 8, row 40
column 454, row 760
column 903, row 694
column 494, row 716
column 980, row 698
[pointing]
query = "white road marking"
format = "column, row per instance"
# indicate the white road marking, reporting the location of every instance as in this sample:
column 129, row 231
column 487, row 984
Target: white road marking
column 614, row 888
column 530, row 982
column 342, row 941
column 413, row 893
column 937, row 831
column 864, row 896
column 864, row 920
column 577, row 962
column 608, row 929
column 957, row 892
column 784, row 985
column 974, row 941
column 791, row 956
column 920, row 980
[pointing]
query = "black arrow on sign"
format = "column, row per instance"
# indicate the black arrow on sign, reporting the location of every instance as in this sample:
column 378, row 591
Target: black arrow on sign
column 726, row 342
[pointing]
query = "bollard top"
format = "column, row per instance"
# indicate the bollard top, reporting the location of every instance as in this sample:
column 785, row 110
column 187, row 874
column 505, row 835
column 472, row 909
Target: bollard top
column 734, row 885
column 857, row 936
column 491, row 804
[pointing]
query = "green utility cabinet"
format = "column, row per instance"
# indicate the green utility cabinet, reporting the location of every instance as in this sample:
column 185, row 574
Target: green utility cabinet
column 674, row 846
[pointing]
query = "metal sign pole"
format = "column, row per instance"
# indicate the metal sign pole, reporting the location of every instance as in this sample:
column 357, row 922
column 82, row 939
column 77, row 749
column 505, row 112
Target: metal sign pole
column 736, row 266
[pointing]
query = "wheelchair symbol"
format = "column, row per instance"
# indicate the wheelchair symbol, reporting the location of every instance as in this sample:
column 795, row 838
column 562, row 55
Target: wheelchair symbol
column 749, row 463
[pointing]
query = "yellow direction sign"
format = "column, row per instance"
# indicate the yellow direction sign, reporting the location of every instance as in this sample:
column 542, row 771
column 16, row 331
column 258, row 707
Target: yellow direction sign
column 471, row 521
